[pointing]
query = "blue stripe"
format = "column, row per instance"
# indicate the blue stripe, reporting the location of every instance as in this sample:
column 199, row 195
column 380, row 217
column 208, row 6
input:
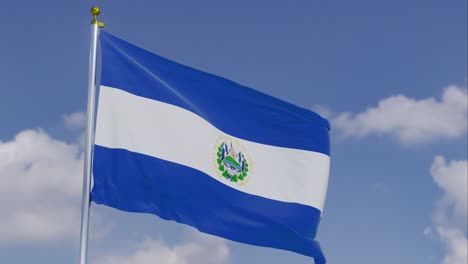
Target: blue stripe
column 138, row 183
column 236, row 110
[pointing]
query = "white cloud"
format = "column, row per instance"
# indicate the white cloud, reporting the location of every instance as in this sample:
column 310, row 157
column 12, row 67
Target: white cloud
column 202, row 249
column 323, row 111
column 452, row 178
column 410, row 120
column 450, row 216
column 40, row 188
column 456, row 245
column 75, row 121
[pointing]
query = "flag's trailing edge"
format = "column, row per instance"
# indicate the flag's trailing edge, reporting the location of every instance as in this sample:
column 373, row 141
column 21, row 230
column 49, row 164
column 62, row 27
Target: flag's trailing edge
column 204, row 151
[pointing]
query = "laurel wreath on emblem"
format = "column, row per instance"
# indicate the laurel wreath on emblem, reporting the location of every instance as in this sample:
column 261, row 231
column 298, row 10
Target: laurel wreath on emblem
column 233, row 166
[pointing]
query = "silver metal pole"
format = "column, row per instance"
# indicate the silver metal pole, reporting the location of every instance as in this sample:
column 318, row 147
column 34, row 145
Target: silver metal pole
column 89, row 137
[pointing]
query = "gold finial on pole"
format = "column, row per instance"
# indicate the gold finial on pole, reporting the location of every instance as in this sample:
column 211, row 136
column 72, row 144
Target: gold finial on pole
column 95, row 11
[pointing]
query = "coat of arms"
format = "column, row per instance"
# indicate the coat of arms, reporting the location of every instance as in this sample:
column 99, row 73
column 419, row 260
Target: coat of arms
column 232, row 164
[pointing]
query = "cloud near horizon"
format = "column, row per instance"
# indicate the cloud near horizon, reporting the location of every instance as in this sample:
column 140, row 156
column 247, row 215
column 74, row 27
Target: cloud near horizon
column 450, row 216
column 41, row 187
column 411, row 121
column 195, row 251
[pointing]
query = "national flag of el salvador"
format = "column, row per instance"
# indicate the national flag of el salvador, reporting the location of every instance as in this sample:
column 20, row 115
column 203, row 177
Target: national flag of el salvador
column 201, row 150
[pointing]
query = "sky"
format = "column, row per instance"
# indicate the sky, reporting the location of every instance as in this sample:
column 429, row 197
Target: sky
column 391, row 76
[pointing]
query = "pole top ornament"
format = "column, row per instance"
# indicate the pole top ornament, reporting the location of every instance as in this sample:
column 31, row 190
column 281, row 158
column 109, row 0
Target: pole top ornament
column 95, row 11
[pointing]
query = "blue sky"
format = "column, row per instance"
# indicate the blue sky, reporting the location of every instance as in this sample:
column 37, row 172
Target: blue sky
column 397, row 68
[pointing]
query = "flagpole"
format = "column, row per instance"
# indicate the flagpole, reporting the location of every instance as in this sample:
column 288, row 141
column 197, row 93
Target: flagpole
column 95, row 25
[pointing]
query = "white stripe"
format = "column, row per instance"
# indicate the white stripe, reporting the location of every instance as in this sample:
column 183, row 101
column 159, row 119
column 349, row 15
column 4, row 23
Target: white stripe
column 174, row 134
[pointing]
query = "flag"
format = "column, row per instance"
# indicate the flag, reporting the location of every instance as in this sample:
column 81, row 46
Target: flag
column 204, row 151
